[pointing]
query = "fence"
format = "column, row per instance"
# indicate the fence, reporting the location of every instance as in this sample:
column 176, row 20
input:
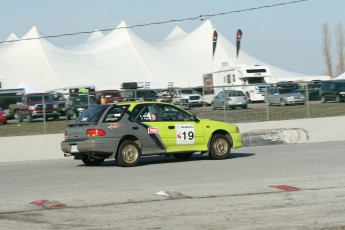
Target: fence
column 258, row 111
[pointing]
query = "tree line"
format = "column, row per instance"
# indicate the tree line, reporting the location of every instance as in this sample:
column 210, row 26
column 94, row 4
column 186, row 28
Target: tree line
column 326, row 47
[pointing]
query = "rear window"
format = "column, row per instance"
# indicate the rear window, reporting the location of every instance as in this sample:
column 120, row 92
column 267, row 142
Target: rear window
column 92, row 114
column 115, row 113
column 236, row 93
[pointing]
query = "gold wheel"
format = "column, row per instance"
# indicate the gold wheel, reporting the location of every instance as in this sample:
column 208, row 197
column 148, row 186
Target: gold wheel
column 130, row 153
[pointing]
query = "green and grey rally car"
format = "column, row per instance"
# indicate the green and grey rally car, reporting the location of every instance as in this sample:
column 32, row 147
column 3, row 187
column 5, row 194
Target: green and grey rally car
column 128, row 131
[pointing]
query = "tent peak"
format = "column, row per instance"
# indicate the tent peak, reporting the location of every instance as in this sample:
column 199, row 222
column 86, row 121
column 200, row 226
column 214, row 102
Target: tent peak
column 32, row 33
column 11, row 37
column 177, row 32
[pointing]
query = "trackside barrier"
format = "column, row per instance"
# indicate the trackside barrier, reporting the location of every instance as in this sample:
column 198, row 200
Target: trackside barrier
column 47, row 147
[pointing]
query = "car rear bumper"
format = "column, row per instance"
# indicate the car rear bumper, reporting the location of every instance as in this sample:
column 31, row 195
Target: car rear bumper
column 95, row 145
column 291, row 102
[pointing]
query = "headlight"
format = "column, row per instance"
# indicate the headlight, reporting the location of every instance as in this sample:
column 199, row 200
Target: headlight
column 31, row 107
column 80, row 109
column 55, row 106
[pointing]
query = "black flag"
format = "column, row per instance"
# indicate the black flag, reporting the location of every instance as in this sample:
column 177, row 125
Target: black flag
column 238, row 41
column 215, row 36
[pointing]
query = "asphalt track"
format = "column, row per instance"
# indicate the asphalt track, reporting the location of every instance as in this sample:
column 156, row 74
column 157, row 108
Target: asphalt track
column 290, row 175
column 287, row 186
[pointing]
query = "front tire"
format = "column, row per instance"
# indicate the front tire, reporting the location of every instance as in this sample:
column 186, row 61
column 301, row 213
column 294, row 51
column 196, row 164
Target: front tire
column 91, row 161
column 220, row 147
column 128, row 154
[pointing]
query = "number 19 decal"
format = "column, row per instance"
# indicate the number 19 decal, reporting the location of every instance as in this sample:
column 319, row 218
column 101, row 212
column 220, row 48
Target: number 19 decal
column 185, row 134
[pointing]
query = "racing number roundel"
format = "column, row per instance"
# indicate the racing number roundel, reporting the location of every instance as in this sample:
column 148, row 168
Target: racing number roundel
column 185, row 134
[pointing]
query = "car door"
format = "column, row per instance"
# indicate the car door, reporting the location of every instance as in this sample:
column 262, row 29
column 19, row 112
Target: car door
column 274, row 96
column 183, row 133
column 144, row 124
column 218, row 100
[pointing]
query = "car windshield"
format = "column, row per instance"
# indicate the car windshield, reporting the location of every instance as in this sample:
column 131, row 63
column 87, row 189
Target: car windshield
column 287, row 90
column 189, row 91
column 40, row 98
column 83, row 100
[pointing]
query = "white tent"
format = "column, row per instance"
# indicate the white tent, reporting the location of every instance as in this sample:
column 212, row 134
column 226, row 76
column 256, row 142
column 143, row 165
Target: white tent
column 340, row 77
column 108, row 60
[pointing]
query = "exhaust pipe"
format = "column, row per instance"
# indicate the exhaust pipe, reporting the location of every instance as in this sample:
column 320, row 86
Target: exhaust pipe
column 67, row 155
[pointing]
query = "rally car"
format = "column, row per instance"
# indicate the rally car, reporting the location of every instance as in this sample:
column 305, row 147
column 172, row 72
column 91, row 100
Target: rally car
column 128, row 131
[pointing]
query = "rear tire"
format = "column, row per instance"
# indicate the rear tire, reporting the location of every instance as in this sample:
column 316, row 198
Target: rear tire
column 220, row 147
column 128, row 154
column 91, row 161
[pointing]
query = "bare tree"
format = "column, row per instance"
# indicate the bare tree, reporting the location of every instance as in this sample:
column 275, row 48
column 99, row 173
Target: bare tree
column 340, row 48
column 326, row 43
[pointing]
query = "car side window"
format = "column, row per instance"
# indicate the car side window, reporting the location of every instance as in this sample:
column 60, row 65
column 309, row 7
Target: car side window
column 145, row 112
column 115, row 114
column 172, row 113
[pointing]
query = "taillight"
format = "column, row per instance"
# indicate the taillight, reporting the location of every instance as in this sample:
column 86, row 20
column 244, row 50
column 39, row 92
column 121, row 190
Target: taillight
column 95, row 132
column 229, row 99
column 65, row 134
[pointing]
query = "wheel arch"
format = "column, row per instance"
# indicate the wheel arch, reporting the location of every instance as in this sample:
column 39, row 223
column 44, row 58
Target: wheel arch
column 125, row 138
column 223, row 132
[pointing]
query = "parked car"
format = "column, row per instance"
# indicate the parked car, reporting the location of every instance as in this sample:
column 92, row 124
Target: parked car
column 9, row 99
column 37, row 105
column 333, row 90
column 187, row 95
column 60, row 101
column 129, row 130
column 283, row 95
column 109, row 96
column 75, row 105
column 230, row 99
column 3, row 117
column 311, row 90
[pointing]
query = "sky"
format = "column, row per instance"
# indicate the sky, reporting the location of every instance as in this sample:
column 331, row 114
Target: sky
column 288, row 36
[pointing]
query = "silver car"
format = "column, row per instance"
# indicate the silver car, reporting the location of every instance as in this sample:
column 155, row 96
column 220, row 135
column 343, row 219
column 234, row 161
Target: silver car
column 284, row 96
column 230, row 99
